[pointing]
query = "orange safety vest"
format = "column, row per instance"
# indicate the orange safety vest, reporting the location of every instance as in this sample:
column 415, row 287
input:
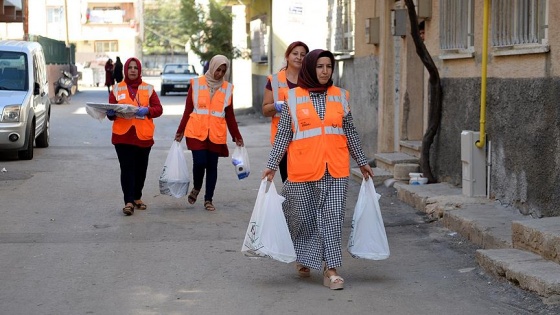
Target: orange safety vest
column 280, row 88
column 144, row 126
column 318, row 143
column 208, row 118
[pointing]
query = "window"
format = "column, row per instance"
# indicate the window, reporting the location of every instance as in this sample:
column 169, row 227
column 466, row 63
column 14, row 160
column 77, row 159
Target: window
column 111, row 15
column 518, row 22
column 456, row 26
column 106, row 46
column 55, row 22
column 344, row 39
column 54, row 15
column 259, row 39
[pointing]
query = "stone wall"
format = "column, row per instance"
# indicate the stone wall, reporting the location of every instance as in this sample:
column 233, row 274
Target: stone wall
column 522, row 121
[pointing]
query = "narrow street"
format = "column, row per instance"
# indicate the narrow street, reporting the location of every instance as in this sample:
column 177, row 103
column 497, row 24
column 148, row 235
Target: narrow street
column 66, row 247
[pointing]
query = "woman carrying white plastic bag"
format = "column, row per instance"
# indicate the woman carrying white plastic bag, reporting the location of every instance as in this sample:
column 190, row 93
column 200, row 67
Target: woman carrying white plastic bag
column 174, row 179
column 368, row 239
column 267, row 234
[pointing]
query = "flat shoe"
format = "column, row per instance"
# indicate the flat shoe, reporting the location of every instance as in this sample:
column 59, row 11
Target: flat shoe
column 192, row 196
column 140, row 205
column 209, row 206
column 128, row 210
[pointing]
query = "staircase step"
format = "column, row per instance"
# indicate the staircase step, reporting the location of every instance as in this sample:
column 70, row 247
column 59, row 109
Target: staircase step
column 488, row 225
column 379, row 175
column 401, row 171
column 411, row 147
column 529, row 271
column 387, row 161
column 540, row 236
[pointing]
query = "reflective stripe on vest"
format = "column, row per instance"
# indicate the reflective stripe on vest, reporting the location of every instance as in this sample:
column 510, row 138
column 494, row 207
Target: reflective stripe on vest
column 144, row 126
column 208, row 117
column 317, row 144
column 279, row 84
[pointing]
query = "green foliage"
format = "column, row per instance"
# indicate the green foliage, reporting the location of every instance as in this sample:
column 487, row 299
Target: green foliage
column 163, row 31
column 209, row 30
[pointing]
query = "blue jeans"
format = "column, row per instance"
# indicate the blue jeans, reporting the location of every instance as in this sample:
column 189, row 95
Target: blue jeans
column 205, row 161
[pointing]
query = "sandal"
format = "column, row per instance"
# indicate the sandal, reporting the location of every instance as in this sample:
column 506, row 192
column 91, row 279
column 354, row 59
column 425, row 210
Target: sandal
column 140, row 205
column 303, row 271
column 193, row 195
column 333, row 282
column 128, row 209
column 209, row 206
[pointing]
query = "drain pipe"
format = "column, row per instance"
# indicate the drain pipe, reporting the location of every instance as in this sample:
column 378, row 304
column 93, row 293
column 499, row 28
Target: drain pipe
column 482, row 140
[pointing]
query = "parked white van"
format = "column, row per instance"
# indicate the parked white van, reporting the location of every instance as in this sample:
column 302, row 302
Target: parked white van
column 25, row 105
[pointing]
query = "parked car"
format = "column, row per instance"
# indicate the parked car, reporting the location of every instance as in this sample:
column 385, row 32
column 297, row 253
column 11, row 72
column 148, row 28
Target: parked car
column 176, row 77
column 25, row 106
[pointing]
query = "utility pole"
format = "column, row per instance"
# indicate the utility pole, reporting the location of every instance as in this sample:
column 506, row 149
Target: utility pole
column 66, row 23
column 67, row 35
column 25, row 18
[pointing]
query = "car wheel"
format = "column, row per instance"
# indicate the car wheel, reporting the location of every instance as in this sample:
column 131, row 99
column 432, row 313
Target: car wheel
column 163, row 91
column 27, row 153
column 43, row 139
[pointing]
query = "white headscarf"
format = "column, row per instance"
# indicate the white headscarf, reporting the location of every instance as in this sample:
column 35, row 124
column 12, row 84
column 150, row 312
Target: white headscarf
column 215, row 63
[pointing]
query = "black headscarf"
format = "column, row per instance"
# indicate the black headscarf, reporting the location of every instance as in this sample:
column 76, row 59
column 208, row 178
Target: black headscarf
column 307, row 78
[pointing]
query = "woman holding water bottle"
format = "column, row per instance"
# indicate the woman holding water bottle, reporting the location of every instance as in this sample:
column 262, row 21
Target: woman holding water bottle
column 208, row 111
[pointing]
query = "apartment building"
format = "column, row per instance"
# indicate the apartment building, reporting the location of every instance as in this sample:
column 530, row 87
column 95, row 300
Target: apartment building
column 507, row 97
column 99, row 29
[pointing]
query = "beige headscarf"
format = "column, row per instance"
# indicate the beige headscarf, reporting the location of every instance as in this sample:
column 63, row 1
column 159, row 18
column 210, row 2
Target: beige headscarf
column 215, row 63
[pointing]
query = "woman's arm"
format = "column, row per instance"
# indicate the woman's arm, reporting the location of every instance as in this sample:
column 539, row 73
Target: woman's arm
column 189, row 106
column 155, row 109
column 268, row 108
column 353, row 140
column 232, row 125
column 282, row 139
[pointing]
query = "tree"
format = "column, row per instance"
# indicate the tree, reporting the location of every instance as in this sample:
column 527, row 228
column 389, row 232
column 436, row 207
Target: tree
column 209, row 30
column 435, row 93
column 164, row 33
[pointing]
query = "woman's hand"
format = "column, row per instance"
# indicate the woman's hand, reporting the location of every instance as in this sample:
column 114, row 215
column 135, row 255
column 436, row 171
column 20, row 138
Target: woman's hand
column 367, row 172
column 178, row 137
column 239, row 142
column 269, row 174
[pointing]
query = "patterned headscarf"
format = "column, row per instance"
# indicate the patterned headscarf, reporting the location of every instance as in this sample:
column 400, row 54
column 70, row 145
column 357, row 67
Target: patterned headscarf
column 133, row 83
column 215, row 63
column 307, row 78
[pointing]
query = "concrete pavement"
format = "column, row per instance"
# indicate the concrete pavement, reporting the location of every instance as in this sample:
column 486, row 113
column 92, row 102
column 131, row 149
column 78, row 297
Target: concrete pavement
column 67, row 249
column 524, row 250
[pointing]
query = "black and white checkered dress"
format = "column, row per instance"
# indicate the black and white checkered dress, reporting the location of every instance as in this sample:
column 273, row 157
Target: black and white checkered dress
column 315, row 210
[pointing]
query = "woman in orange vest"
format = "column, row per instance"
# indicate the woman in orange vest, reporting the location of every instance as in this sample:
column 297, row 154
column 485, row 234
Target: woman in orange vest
column 208, row 110
column 317, row 132
column 133, row 138
column 276, row 89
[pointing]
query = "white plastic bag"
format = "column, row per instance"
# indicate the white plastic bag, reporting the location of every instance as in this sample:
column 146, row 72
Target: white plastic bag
column 174, row 179
column 267, row 234
column 240, row 160
column 368, row 238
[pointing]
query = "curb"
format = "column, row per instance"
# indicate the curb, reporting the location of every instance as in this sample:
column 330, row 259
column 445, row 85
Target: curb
column 489, row 225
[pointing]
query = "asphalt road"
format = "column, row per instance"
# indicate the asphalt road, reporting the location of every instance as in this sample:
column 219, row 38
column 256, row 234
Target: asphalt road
column 66, row 248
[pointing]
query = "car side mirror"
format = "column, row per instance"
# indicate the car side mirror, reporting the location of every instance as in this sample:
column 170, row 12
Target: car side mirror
column 36, row 89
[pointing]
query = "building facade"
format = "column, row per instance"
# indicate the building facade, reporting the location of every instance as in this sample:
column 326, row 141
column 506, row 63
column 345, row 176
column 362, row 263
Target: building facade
column 99, row 29
column 514, row 103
